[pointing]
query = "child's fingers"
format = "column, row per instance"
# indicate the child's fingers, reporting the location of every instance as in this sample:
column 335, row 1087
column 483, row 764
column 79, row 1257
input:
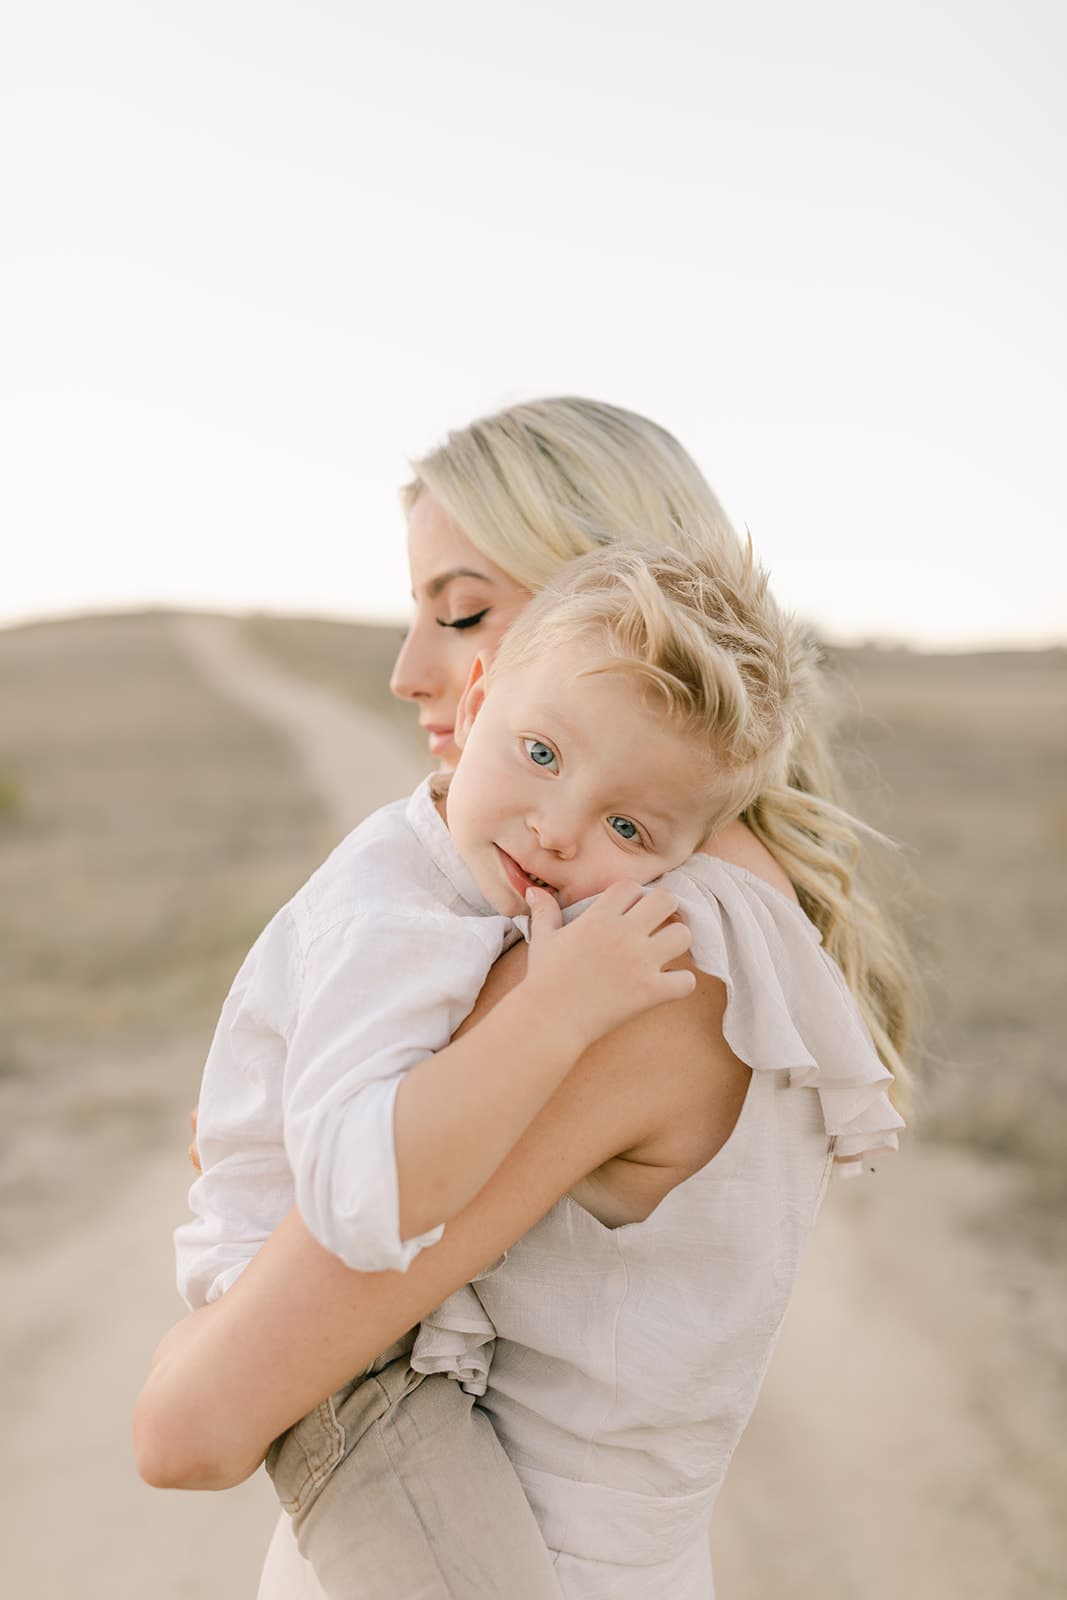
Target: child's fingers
column 616, row 899
column 192, row 1152
column 676, row 985
column 652, row 908
column 670, row 942
column 545, row 915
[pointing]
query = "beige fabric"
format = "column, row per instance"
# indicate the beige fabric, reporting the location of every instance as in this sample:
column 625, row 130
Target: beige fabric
column 399, row 1490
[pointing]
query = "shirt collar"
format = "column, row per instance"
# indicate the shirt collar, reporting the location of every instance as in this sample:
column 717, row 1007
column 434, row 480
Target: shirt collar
column 426, row 824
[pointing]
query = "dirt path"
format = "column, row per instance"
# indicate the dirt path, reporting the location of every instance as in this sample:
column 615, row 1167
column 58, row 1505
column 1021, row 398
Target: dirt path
column 352, row 759
column 90, row 1306
column 906, row 1443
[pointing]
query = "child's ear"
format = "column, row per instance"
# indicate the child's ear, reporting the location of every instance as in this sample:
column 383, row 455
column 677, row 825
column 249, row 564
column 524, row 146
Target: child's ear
column 471, row 700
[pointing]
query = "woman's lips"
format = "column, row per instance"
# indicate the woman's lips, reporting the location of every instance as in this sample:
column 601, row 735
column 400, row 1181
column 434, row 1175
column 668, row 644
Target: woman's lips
column 439, row 738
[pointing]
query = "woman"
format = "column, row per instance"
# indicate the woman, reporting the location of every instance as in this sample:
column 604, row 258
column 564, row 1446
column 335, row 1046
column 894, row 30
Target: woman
column 634, row 1322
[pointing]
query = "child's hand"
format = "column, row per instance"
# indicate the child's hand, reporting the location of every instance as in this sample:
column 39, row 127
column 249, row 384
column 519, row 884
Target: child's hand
column 193, row 1153
column 607, row 965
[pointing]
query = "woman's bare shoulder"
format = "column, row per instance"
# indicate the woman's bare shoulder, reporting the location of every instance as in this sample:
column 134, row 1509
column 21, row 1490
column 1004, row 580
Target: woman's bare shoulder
column 653, row 1102
column 738, row 845
column 677, row 1088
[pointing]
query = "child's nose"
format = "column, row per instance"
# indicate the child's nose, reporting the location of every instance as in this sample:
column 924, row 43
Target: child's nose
column 556, row 835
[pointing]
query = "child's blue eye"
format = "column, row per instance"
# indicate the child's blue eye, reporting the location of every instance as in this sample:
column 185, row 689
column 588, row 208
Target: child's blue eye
column 540, row 753
column 624, row 828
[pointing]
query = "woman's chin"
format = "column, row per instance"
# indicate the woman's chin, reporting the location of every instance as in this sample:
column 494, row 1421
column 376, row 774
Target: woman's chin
column 443, row 748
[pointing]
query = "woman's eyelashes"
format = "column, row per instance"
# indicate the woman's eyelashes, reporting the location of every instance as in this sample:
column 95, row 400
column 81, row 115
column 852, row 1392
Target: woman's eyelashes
column 541, row 754
column 471, row 621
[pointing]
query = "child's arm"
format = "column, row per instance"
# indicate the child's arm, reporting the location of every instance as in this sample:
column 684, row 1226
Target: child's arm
column 459, row 1113
column 228, row 1379
column 389, row 1130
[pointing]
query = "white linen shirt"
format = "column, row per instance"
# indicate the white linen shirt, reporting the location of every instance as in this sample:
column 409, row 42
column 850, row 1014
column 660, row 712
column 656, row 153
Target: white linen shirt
column 368, row 970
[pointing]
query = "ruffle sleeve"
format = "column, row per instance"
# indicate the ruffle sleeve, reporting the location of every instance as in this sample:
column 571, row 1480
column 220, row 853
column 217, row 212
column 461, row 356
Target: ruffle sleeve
column 788, row 1008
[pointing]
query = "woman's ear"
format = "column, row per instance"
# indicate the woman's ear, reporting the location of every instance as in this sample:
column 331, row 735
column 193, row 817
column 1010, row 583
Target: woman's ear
column 471, row 700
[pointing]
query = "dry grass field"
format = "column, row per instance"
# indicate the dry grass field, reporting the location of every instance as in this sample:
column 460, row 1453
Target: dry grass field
column 147, row 832
column 964, row 760
column 149, row 828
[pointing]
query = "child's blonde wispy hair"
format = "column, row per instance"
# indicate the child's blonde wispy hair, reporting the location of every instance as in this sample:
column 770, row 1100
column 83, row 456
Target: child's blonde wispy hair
column 716, row 652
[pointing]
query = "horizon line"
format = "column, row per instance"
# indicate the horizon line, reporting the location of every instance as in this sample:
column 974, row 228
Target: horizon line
column 914, row 643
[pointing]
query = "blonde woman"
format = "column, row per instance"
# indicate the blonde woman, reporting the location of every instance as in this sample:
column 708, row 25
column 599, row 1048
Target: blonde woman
column 663, row 1196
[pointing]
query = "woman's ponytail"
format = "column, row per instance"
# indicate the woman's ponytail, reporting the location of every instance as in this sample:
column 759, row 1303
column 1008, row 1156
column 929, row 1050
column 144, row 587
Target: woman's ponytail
column 820, row 846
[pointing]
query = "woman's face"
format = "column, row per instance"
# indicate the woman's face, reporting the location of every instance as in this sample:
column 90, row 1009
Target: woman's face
column 464, row 604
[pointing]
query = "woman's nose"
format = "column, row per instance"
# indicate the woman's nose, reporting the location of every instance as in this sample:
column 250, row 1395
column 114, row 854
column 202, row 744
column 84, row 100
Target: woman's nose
column 412, row 677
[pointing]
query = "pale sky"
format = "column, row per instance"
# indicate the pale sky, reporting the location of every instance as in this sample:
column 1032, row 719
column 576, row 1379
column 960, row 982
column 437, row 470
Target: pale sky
column 256, row 254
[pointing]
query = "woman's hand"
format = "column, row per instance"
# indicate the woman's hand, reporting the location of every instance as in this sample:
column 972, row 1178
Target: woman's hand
column 611, row 963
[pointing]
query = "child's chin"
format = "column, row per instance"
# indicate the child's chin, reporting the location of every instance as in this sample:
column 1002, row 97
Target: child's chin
column 505, row 902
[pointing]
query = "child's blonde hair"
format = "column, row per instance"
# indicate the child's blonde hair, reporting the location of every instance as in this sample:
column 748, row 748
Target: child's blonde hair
column 716, row 654
column 542, row 483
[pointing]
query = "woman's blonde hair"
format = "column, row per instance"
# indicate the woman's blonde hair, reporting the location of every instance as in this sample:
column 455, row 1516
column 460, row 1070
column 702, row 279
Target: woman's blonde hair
column 540, row 484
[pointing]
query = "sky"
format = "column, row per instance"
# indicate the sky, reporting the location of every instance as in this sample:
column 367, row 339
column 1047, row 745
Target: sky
column 257, row 255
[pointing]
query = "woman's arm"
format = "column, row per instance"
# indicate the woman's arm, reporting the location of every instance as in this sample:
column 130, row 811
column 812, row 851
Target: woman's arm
column 297, row 1324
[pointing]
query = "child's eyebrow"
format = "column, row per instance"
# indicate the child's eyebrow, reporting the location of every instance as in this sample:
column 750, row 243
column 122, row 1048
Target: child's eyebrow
column 552, row 723
column 663, row 812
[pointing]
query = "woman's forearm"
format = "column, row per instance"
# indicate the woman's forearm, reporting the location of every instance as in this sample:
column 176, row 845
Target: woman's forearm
column 186, row 1432
column 296, row 1326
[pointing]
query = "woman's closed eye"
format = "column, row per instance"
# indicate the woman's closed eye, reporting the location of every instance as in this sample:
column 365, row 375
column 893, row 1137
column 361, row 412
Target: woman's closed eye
column 464, row 622
column 541, row 754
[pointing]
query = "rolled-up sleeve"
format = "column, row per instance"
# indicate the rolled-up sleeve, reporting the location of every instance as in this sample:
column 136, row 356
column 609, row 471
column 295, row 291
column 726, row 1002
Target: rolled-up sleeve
column 245, row 1187
column 376, row 997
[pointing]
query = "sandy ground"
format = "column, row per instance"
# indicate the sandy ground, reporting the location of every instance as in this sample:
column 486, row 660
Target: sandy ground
column 909, row 1438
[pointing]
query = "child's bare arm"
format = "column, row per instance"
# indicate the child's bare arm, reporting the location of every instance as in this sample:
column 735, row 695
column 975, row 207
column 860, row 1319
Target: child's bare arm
column 459, row 1113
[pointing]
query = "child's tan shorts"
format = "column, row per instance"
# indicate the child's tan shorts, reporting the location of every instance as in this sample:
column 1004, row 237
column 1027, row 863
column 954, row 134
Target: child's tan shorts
column 399, row 1489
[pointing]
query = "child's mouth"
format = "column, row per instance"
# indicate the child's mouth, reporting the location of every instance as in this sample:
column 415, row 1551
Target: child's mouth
column 519, row 878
